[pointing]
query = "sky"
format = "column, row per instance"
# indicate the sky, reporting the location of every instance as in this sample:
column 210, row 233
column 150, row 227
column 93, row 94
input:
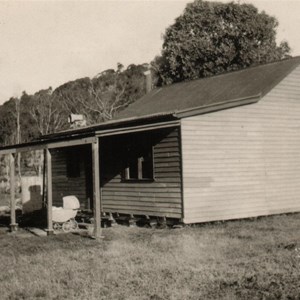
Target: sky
column 47, row 43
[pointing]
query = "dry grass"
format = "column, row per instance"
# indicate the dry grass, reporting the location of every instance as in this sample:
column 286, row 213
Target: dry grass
column 250, row 259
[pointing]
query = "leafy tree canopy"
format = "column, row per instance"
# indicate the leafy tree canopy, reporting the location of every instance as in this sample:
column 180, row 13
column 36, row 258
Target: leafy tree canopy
column 47, row 110
column 8, row 121
column 100, row 97
column 212, row 37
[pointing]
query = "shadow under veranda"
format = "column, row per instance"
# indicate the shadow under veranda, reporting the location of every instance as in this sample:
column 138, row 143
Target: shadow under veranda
column 23, row 242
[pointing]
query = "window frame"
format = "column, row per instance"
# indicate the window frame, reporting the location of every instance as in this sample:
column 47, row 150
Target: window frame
column 139, row 163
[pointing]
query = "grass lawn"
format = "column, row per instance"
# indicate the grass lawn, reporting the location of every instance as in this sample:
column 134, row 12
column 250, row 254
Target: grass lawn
column 248, row 259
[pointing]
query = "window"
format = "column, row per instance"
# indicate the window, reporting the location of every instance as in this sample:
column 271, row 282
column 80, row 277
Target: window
column 139, row 163
column 73, row 163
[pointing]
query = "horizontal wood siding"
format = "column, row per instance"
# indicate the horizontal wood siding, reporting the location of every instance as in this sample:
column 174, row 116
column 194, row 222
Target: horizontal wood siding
column 161, row 197
column 245, row 161
column 64, row 186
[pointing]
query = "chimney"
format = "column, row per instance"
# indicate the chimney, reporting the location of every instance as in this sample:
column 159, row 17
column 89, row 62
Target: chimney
column 76, row 120
column 148, row 81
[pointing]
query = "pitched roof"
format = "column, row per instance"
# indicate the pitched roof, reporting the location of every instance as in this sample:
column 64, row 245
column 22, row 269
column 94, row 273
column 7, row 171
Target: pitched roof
column 176, row 101
column 242, row 84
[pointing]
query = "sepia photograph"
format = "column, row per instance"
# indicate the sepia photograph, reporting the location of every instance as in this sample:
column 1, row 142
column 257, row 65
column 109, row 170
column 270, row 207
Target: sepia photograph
column 149, row 149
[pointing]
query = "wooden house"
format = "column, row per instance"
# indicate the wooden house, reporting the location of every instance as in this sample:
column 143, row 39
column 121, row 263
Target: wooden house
column 219, row 148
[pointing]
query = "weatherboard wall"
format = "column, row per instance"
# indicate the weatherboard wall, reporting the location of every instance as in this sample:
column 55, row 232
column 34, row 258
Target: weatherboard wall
column 158, row 197
column 79, row 186
column 245, row 161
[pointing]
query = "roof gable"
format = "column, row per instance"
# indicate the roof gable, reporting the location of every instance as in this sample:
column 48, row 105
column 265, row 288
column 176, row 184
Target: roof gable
column 209, row 91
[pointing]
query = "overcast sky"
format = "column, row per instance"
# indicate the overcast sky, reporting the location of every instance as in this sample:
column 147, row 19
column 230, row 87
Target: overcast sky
column 47, row 43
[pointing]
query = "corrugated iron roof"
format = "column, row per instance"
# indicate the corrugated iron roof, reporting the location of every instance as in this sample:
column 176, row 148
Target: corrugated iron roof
column 109, row 125
column 240, row 84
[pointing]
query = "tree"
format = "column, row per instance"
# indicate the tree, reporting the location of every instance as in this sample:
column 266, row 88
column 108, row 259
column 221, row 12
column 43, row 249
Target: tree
column 29, row 127
column 99, row 98
column 211, row 37
column 96, row 99
column 12, row 119
column 7, row 123
column 46, row 111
